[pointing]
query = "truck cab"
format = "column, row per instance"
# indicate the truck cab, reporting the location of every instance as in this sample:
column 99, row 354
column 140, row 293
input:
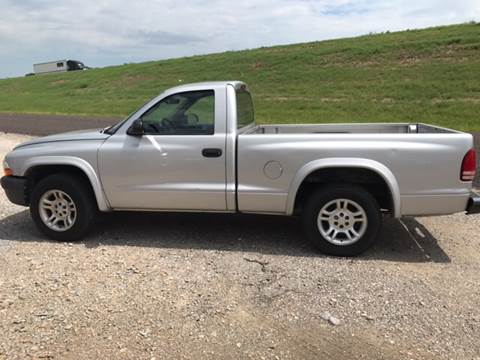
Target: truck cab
column 178, row 153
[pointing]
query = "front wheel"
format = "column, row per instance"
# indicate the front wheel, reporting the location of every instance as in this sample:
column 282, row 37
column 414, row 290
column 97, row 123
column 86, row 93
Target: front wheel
column 62, row 207
column 342, row 220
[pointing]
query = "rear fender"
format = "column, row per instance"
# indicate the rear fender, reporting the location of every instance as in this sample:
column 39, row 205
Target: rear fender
column 372, row 165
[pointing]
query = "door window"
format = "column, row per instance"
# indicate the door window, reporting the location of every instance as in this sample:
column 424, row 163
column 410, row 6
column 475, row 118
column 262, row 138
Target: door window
column 187, row 113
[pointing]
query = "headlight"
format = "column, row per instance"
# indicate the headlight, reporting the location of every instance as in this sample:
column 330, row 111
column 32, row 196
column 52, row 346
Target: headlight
column 6, row 169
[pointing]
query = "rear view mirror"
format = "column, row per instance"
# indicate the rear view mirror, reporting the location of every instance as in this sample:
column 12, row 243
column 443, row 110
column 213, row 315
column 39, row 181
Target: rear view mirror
column 136, row 129
column 172, row 100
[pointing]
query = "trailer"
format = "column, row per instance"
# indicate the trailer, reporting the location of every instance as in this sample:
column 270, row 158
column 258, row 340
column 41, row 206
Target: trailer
column 58, row 66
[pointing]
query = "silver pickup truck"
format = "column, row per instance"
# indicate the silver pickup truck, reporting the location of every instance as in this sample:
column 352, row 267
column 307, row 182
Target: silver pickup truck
column 197, row 148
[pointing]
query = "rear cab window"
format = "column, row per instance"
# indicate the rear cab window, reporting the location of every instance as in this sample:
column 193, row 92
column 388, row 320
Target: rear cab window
column 245, row 111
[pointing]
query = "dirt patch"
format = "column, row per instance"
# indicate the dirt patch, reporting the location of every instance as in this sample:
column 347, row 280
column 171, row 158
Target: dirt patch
column 303, row 99
column 464, row 100
column 59, row 82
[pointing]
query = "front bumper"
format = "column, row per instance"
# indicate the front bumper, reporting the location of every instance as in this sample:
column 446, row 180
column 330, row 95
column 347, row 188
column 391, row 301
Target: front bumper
column 16, row 189
column 473, row 205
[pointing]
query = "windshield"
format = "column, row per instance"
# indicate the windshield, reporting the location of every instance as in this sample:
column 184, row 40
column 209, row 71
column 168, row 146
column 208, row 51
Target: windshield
column 112, row 129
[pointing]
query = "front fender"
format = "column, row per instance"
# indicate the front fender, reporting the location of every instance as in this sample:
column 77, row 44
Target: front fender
column 372, row 165
column 71, row 161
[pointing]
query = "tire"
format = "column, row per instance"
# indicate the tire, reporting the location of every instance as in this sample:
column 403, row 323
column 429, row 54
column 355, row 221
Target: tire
column 343, row 208
column 53, row 196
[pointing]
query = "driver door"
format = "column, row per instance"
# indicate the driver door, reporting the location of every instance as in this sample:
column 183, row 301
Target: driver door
column 179, row 162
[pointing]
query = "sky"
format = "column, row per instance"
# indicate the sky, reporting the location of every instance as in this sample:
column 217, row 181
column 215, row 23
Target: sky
column 113, row 32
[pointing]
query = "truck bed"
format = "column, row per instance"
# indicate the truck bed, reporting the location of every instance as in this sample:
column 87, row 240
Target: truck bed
column 379, row 128
column 424, row 160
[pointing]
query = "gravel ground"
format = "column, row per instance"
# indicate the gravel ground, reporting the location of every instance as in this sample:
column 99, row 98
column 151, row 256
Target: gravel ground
column 7, row 142
column 147, row 286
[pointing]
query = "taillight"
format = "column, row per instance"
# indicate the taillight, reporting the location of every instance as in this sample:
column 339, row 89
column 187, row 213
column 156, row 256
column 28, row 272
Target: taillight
column 469, row 166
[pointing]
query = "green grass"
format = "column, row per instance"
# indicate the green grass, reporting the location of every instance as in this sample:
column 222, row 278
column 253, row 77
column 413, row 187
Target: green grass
column 430, row 75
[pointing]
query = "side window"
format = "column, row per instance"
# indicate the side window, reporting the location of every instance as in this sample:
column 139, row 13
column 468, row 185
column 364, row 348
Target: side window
column 203, row 111
column 188, row 113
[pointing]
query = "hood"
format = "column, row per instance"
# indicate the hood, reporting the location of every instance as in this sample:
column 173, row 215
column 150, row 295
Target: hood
column 81, row 135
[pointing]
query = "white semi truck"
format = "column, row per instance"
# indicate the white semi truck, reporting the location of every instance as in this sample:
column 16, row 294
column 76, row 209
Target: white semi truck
column 58, row 66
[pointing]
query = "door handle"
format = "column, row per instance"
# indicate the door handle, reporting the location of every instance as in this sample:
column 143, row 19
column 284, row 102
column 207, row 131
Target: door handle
column 212, row 153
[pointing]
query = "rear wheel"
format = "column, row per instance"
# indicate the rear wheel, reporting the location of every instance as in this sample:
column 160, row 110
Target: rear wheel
column 62, row 207
column 342, row 220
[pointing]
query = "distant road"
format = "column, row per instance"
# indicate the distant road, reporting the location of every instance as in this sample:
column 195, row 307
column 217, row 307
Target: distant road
column 39, row 125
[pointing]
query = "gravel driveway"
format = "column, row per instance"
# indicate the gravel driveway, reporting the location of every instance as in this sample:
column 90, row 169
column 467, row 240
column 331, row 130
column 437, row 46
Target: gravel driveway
column 155, row 286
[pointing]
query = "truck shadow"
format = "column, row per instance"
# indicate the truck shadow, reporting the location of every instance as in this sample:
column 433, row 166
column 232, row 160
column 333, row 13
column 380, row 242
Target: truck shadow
column 405, row 241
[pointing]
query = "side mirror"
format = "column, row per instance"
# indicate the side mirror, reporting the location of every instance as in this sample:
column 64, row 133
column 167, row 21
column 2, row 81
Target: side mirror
column 136, row 129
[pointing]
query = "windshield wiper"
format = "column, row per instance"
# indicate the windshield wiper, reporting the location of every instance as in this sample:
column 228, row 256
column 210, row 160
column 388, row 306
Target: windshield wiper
column 107, row 130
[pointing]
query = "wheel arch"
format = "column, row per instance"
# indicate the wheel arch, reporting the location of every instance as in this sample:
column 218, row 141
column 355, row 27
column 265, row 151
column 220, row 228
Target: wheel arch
column 346, row 163
column 55, row 164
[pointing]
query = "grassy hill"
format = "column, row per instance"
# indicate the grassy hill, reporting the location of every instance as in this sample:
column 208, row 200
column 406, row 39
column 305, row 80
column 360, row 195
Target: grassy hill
column 430, row 75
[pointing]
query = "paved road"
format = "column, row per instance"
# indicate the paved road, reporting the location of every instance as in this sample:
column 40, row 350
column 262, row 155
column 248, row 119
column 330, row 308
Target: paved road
column 40, row 125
